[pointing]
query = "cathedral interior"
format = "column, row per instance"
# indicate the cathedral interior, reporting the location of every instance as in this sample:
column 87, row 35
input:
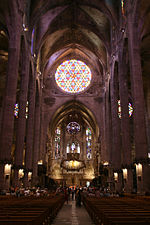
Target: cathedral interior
column 75, row 93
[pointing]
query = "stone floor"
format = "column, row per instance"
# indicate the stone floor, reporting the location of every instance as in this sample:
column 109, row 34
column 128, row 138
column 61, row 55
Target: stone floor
column 70, row 214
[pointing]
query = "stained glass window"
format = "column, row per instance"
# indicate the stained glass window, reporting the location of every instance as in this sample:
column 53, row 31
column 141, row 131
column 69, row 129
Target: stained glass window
column 129, row 106
column 57, row 142
column 73, row 128
column 73, row 147
column 122, row 7
column 16, row 110
column 68, row 148
column 73, row 76
column 130, row 109
column 89, row 143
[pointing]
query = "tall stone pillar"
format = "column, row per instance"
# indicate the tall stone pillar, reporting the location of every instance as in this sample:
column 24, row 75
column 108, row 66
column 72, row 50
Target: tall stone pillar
column 14, row 25
column 108, row 126
column 63, row 142
column 21, row 121
column 125, row 123
column 116, row 139
column 30, row 128
column 36, row 144
column 43, row 133
column 140, row 137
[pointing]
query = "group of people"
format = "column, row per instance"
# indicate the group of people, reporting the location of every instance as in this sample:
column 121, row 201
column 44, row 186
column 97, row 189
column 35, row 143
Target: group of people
column 101, row 192
column 21, row 191
column 73, row 194
column 70, row 193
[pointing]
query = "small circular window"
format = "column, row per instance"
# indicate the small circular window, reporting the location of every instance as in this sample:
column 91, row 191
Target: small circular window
column 73, row 76
column 73, row 128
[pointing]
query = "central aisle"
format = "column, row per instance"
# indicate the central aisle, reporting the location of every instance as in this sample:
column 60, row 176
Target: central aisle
column 72, row 215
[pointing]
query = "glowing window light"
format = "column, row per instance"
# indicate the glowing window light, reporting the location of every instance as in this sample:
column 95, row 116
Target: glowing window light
column 125, row 173
column 116, row 177
column 57, row 142
column 139, row 169
column 73, row 76
column 21, row 173
column 27, row 109
column 129, row 106
column 73, row 147
column 29, row 176
column 7, row 169
column 68, row 149
column 78, row 148
column 88, row 143
column 122, row 7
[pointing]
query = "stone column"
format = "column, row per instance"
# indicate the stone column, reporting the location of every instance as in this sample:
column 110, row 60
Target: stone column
column 21, row 121
column 140, row 137
column 14, row 25
column 43, row 133
column 63, row 142
column 136, row 84
column 125, row 125
column 108, row 126
column 116, row 139
column 116, row 144
column 36, row 144
column 30, row 127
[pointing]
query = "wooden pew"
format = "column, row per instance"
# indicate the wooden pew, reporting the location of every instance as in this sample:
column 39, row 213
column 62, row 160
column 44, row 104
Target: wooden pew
column 30, row 211
column 108, row 211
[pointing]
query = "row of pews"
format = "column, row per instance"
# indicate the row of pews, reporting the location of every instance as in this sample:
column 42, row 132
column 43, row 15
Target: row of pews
column 29, row 210
column 118, row 211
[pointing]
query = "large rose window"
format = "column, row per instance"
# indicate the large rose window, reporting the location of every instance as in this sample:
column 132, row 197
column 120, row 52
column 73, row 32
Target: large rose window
column 73, row 76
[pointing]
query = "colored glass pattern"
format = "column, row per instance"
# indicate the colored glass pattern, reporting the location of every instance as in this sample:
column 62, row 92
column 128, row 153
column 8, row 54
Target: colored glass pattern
column 57, row 142
column 73, row 128
column 73, row 76
column 89, row 143
column 129, row 106
column 16, row 110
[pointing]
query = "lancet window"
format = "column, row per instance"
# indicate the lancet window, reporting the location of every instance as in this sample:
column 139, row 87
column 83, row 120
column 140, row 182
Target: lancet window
column 89, row 143
column 57, row 142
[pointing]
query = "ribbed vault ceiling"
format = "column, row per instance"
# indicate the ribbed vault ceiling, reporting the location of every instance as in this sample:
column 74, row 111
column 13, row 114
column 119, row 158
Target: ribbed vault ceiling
column 76, row 29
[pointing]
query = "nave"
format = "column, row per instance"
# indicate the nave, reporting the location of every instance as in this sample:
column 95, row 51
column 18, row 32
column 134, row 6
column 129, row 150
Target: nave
column 70, row 214
column 75, row 94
